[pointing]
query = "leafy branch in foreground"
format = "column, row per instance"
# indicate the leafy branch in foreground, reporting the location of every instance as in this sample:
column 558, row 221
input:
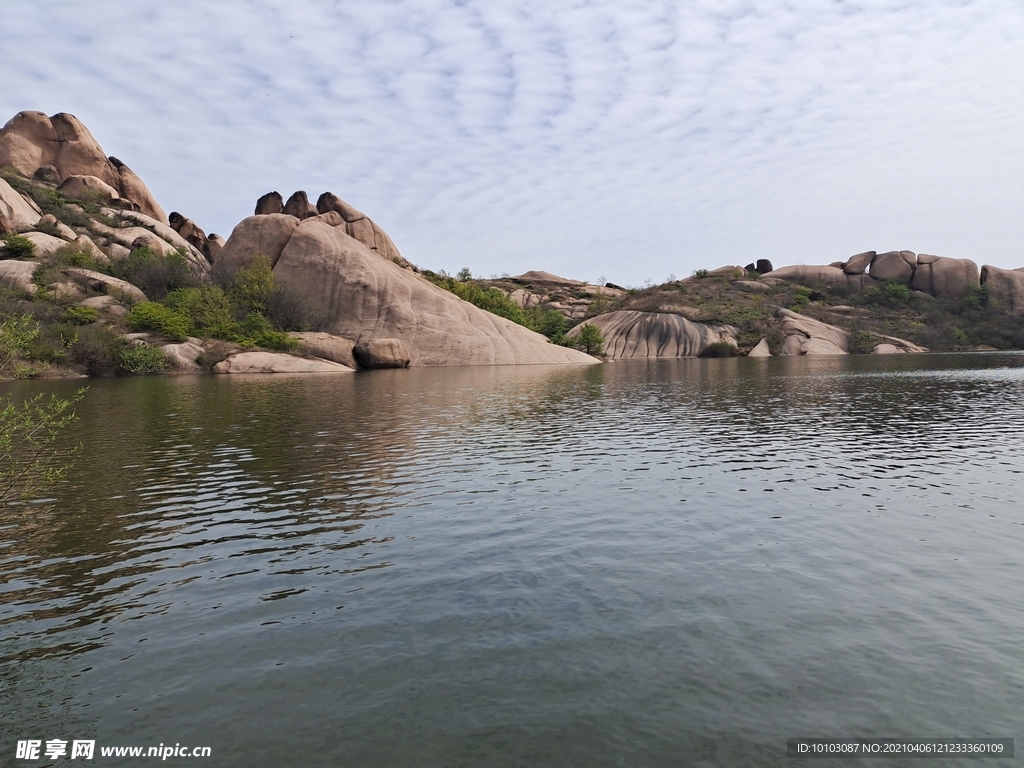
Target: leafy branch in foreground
column 29, row 461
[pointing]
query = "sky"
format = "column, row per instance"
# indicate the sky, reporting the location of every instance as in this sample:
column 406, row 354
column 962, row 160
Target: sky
column 613, row 139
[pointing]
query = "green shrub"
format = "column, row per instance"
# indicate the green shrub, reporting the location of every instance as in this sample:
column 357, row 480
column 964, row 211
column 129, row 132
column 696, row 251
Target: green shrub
column 489, row 299
column 719, row 349
column 550, row 322
column 862, row 343
column 464, row 275
column 93, row 350
column 589, row 339
column 141, row 360
column 150, row 316
column 73, row 255
column 977, row 298
column 17, row 247
column 256, row 331
column 896, row 292
column 79, row 315
column 16, row 333
column 700, row 274
column 289, row 310
column 208, row 309
column 250, row 288
column 156, row 274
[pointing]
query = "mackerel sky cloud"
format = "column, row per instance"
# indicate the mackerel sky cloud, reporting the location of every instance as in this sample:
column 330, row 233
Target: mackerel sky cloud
column 591, row 138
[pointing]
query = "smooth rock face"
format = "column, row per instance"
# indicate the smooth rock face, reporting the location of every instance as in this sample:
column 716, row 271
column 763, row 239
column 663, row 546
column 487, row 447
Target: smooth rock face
column 945, row 278
column 752, row 285
column 368, row 298
column 215, row 243
column 191, row 232
column 761, row 350
column 31, row 140
column 910, row 257
column 891, row 266
column 763, row 266
column 183, row 357
column 105, row 283
column 536, row 278
column 45, row 244
column 809, row 273
column 272, row 202
column 1006, row 286
column 360, row 226
column 18, row 274
column 629, row 334
column 858, row 265
column 328, row 347
column 64, row 232
column 87, row 187
column 267, row 234
column 382, row 353
column 276, row 362
column 86, row 244
column 807, row 336
column 16, row 214
column 926, row 258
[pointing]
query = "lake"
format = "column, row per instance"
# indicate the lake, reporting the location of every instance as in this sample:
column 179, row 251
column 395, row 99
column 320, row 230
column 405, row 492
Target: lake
column 678, row 562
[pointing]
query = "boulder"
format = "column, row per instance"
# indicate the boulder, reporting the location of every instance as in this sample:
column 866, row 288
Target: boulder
column 88, row 246
column 88, row 188
column 630, row 334
column 276, row 362
column 98, row 303
column 191, row 232
column 46, row 245
column 1005, row 286
column 366, row 297
column 539, row 279
column 117, row 251
column 926, row 258
column 361, row 227
column 328, row 347
column 890, row 345
column 524, row 299
column 809, row 273
column 18, row 275
column 105, row 284
column 47, row 174
column 27, row 141
column 763, row 266
column 64, row 232
column 726, row 270
column 272, row 202
column 129, row 236
column 946, row 278
column 16, row 213
column 891, row 266
column 382, row 353
column 807, row 336
column 65, row 289
column 910, row 257
column 266, row 233
column 858, row 265
column 215, row 243
column 298, row 205
column 133, row 188
column 752, row 286
column 760, row 350
column 184, row 357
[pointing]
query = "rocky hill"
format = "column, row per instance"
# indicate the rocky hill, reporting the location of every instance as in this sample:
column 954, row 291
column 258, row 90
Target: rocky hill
column 96, row 278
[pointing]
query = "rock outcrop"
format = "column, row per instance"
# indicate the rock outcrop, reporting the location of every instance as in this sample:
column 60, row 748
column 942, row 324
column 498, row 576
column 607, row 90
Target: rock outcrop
column 382, row 353
column 328, row 346
column 810, row 273
column 760, row 349
column 31, row 140
column 807, row 336
column 361, row 227
column 18, row 275
column 893, row 265
column 191, row 233
column 1005, row 286
column 944, row 277
column 367, row 297
column 629, row 335
column 276, row 362
column 17, row 213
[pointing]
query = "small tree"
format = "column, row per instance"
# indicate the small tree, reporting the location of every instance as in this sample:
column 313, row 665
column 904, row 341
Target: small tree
column 464, row 274
column 17, row 247
column 29, row 461
column 589, row 339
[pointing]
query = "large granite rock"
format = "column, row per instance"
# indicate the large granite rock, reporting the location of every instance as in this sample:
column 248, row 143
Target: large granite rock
column 337, row 349
column 540, row 279
column 944, row 277
column 630, row 334
column 760, row 350
column 17, row 214
column 367, row 297
column 18, row 275
column 184, row 357
column 361, row 227
column 46, row 245
column 266, row 234
column 298, row 205
column 191, row 232
column 102, row 283
column 276, row 362
column 807, row 336
column 31, row 140
column 64, row 232
column 272, row 202
column 891, row 265
column 84, row 187
column 810, row 273
column 382, row 353
column 1005, row 286
column 858, row 264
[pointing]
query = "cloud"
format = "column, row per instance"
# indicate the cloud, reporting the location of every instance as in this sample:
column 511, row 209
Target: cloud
column 585, row 137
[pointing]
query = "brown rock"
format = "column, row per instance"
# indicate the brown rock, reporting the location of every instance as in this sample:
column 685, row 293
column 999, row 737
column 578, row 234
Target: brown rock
column 79, row 154
column 752, row 285
column 910, row 257
column 88, row 188
column 276, row 362
column 133, row 188
column 764, row 266
column 382, row 353
column 46, row 245
column 761, row 350
column 184, row 357
column 267, row 234
column 328, row 347
column 891, row 266
column 101, row 283
column 27, row 141
column 298, row 205
column 47, row 174
column 361, row 227
column 538, row 279
column 1005, row 286
column 272, row 202
column 88, row 246
column 858, row 265
column 807, row 336
column 64, row 232
column 16, row 213
column 215, row 243
column 18, row 274
column 190, row 232
column 726, row 270
column 367, row 297
column 629, row 334
column 926, row 258
column 946, row 278
column 809, row 273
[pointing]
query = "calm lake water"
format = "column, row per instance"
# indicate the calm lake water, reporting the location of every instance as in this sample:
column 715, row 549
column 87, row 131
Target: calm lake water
column 634, row 564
